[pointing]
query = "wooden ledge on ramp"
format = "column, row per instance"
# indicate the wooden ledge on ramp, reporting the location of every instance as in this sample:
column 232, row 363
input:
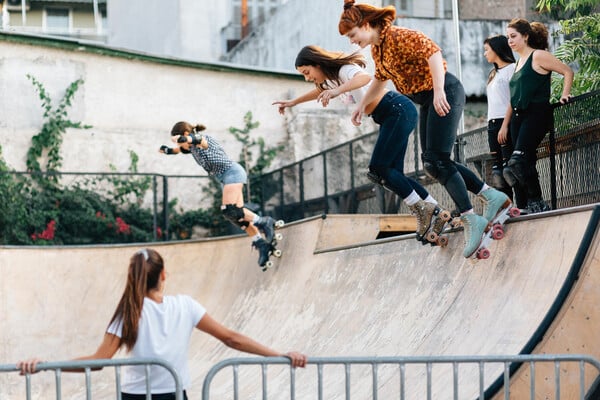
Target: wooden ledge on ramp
column 353, row 229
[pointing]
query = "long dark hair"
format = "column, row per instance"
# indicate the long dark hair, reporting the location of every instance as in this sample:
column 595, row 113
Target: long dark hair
column 329, row 62
column 144, row 272
column 499, row 45
column 357, row 15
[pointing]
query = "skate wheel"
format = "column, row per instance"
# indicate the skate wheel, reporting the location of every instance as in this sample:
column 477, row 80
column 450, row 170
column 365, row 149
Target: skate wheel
column 269, row 264
column 279, row 223
column 445, row 215
column 278, row 236
column 432, row 236
column 442, row 241
column 456, row 222
column 514, row 212
column 483, row 254
column 497, row 233
column 277, row 253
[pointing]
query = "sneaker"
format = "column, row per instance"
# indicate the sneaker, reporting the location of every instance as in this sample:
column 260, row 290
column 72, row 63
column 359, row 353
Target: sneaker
column 537, row 206
column 475, row 227
column 494, row 202
column 424, row 212
column 267, row 226
column 498, row 180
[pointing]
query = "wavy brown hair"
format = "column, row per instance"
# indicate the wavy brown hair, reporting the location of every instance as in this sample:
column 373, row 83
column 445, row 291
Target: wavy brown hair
column 357, row 15
column 329, row 62
column 536, row 32
column 143, row 275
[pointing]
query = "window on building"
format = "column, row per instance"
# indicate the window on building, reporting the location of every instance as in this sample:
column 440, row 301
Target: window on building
column 57, row 20
column 403, row 7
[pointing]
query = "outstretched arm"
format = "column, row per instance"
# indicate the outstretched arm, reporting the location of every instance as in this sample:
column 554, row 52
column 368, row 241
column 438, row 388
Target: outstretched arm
column 359, row 80
column 283, row 104
column 107, row 349
column 241, row 342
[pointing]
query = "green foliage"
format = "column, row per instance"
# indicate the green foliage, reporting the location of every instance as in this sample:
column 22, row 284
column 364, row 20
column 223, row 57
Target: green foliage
column 56, row 122
column 582, row 47
column 265, row 154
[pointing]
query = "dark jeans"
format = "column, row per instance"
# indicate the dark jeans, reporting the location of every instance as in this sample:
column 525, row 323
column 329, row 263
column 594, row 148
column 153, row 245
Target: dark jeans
column 397, row 117
column 527, row 130
column 437, row 136
column 163, row 396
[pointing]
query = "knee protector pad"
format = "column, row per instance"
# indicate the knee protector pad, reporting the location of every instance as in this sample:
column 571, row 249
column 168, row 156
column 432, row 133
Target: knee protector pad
column 439, row 167
column 235, row 215
column 516, row 170
column 430, row 165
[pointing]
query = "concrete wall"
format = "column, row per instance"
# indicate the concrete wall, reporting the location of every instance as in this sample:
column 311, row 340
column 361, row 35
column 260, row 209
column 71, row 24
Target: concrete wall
column 132, row 102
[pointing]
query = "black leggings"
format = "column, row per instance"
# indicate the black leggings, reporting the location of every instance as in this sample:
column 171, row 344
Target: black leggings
column 437, row 136
column 527, row 130
column 162, row 396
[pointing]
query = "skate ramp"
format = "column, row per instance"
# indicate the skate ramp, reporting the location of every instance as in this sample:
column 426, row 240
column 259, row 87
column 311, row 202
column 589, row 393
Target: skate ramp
column 327, row 296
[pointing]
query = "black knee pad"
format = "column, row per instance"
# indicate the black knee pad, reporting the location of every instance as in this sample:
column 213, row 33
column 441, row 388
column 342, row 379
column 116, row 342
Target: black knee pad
column 438, row 166
column 517, row 169
column 235, row 215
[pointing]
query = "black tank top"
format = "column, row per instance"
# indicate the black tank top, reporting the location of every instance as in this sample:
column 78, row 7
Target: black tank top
column 528, row 86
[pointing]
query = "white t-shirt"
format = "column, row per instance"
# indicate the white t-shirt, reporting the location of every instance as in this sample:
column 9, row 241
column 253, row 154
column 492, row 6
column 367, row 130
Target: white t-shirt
column 498, row 92
column 164, row 332
column 345, row 74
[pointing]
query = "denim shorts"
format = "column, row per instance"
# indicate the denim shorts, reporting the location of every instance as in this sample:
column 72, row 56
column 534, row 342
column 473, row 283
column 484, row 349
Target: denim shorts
column 234, row 174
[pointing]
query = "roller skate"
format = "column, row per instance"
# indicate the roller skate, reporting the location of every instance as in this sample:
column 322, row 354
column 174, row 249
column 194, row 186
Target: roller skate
column 497, row 208
column 265, row 251
column 267, row 225
column 424, row 212
column 476, row 230
column 441, row 218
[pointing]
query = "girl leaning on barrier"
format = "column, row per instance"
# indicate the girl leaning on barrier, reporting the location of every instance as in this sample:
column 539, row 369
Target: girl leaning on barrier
column 150, row 324
column 530, row 109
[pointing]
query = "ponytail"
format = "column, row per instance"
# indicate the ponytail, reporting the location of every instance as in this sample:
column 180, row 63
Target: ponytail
column 143, row 275
column 357, row 15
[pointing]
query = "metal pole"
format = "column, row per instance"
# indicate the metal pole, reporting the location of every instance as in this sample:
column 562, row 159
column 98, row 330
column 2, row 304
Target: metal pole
column 23, row 13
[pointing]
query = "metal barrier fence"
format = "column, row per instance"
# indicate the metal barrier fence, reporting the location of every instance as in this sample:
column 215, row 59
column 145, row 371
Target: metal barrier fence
column 334, row 181
column 89, row 365
column 402, row 375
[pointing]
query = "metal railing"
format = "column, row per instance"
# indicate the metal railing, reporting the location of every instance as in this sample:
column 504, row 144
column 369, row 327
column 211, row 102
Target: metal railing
column 334, row 180
column 88, row 365
column 485, row 368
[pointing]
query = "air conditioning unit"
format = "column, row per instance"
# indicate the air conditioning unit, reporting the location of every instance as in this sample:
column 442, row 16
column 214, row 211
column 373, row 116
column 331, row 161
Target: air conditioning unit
column 15, row 5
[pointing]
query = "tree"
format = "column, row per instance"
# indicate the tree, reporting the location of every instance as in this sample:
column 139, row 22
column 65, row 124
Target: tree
column 581, row 49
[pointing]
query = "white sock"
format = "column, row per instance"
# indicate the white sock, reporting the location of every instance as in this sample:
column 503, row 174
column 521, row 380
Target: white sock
column 469, row 211
column 484, row 188
column 413, row 198
column 256, row 237
column 430, row 199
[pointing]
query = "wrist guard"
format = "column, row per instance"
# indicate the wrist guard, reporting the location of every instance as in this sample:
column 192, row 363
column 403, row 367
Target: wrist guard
column 196, row 138
column 182, row 139
column 166, row 149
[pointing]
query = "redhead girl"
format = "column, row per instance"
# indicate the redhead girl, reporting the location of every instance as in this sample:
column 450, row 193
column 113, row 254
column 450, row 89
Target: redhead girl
column 414, row 63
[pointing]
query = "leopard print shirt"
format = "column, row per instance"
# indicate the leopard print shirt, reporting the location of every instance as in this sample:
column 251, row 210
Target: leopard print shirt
column 402, row 57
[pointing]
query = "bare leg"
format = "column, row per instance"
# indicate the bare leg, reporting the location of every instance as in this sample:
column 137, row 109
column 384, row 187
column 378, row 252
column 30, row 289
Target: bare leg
column 233, row 194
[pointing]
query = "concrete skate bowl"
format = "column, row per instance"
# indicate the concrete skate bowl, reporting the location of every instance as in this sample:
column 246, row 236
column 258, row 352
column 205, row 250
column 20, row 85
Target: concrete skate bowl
column 335, row 292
